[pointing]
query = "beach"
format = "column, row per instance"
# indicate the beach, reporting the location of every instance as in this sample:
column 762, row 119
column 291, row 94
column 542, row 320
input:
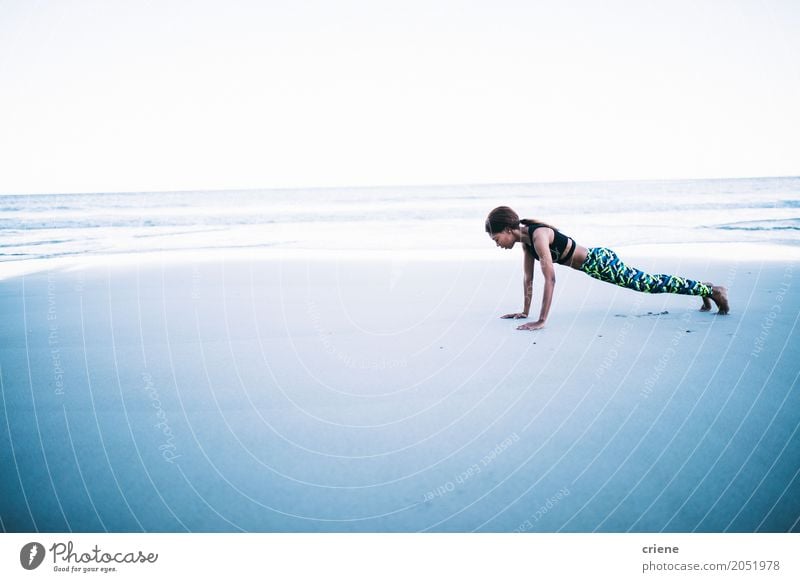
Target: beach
column 262, row 274
column 332, row 391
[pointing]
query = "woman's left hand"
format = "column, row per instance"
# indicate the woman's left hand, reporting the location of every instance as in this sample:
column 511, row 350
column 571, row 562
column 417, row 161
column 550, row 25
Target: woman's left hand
column 531, row 326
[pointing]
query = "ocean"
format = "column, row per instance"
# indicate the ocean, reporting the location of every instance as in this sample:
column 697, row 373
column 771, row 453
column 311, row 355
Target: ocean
column 419, row 218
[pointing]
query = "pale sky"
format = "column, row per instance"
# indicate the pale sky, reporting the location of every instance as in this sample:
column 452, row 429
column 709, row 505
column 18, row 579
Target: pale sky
column 126, row 95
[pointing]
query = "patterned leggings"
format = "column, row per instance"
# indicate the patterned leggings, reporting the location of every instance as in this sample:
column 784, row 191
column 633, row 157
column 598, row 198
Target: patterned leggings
column 605, row 265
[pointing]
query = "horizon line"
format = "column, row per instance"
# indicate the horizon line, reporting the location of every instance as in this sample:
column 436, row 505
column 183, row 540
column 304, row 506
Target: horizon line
column 395, row 186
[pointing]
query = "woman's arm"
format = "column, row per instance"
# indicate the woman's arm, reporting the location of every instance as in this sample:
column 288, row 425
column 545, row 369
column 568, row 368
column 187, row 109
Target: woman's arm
column 527, row 285
column 541, row 243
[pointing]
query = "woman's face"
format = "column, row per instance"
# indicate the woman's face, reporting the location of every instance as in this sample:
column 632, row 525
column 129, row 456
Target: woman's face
column 504, row 239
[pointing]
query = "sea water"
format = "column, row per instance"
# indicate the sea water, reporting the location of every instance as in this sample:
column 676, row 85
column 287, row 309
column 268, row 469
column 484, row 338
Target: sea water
column 418, row 218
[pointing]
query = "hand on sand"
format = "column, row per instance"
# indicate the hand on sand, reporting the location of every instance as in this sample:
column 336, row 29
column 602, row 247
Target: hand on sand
column 514, row 316
column 531, row 326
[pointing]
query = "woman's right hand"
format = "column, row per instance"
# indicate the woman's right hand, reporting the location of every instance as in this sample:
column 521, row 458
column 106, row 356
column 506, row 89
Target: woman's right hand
column 514, row 316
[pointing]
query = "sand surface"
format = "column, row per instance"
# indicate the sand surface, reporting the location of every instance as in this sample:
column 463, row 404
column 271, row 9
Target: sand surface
column 385, row 394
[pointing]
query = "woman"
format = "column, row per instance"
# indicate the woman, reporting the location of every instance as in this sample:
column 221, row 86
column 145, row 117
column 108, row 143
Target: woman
column 545, row 243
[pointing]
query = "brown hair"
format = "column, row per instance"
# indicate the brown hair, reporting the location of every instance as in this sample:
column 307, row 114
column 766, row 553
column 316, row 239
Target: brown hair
column 504, row 217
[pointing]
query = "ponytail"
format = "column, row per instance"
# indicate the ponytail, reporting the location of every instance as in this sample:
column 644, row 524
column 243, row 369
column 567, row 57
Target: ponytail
column 534, row 222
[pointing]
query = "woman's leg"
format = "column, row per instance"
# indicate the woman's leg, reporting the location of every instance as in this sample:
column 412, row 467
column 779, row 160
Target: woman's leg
column 605, row 265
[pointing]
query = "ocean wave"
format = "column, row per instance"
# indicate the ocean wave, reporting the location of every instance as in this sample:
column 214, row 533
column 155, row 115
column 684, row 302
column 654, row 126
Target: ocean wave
column 140, row 222
column 39, row 256
column 761, row 225
column 420, row 217
column 34, row 243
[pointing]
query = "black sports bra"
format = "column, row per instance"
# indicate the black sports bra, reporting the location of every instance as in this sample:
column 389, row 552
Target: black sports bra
column 557, row 247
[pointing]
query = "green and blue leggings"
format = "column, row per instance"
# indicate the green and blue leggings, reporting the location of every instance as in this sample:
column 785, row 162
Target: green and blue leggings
column 605, row 265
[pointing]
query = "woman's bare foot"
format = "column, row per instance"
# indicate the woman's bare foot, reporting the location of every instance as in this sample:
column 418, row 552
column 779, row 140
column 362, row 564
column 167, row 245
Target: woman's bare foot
column 706, row 301
column 719, row 295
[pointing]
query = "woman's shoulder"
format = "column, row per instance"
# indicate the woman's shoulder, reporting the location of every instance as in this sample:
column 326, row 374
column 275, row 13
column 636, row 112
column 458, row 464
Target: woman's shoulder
column 541, row 230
